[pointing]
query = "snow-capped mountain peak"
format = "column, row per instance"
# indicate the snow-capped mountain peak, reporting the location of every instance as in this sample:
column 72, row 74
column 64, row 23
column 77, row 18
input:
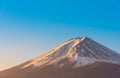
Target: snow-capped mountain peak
column 78, row 51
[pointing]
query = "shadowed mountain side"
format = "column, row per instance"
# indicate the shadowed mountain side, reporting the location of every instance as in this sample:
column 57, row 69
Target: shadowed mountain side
column 95, row 70
column 11, row 70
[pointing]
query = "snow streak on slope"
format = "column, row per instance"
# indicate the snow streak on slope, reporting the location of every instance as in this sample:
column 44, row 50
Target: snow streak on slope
column 80, row 51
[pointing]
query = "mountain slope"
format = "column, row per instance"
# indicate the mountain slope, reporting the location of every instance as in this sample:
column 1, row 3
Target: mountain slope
column 75, row 58
column 80, row 50
column 94, row 70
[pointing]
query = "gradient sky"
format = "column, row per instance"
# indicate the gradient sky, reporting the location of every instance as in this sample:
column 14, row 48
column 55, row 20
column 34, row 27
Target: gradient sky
column 29, row 28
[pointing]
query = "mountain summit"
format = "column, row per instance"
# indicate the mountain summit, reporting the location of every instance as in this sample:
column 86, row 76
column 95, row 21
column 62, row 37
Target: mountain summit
column 79, row 57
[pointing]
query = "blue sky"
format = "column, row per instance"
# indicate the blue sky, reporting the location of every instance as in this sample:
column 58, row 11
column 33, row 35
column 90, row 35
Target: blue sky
column 29, row 28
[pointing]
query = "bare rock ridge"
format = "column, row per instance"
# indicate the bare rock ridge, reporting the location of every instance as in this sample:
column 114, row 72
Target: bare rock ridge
column 79, row 57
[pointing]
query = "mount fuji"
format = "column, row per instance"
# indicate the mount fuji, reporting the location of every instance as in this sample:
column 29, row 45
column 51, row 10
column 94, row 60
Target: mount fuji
column 79, row 57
